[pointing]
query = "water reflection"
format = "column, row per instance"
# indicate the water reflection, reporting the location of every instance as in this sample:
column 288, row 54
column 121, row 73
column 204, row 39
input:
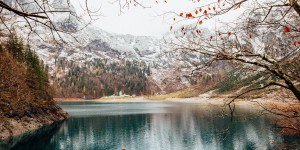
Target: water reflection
column 157, row 126
column 33, row 140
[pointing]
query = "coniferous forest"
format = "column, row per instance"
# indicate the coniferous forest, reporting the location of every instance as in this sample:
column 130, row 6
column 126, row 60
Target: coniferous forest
column 24, row 79
column 101, row 78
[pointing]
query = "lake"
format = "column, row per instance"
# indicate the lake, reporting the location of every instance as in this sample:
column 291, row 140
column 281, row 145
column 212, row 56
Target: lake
column 155, row 126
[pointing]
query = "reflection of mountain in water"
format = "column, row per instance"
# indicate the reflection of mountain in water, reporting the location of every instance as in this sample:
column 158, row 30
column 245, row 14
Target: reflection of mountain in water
column 175, row 126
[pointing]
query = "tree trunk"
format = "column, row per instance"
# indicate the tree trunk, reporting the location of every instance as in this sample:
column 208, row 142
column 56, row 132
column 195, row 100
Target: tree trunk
column 294, row 89
column 295, row 6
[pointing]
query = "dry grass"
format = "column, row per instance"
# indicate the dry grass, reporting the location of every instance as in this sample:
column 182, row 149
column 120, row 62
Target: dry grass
column 186, row 93
column 118, row 97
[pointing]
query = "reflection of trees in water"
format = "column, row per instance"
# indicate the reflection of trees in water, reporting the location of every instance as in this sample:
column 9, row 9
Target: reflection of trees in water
column 187, row 127
column 102, row 132
column 190, row 128
column 206, row 129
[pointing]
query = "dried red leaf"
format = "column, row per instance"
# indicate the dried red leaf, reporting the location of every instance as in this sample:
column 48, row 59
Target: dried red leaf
column 189, row 15
column 229, row 33
column 287, row 29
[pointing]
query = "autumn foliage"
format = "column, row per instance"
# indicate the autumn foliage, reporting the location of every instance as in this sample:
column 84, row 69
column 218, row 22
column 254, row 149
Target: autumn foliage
column 102, row 78
column 24, row 80
column 205, row 10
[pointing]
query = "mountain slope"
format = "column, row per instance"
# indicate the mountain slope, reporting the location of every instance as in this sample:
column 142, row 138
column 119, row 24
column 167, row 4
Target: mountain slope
column 87, row 44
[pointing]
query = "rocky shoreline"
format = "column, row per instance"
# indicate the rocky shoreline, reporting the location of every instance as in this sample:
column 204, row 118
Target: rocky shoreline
column 34, row 118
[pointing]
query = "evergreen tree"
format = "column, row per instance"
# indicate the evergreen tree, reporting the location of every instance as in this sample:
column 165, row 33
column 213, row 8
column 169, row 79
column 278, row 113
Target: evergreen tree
column 35, row 74
column 15, row 46
column 28, row 55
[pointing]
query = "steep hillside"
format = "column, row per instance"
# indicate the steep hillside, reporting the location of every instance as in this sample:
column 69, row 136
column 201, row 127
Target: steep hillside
column 26, row 98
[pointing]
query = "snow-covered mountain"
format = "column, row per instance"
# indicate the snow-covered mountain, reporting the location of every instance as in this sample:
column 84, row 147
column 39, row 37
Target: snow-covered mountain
column 170, row 70
column 86, row 43
column 96, row 43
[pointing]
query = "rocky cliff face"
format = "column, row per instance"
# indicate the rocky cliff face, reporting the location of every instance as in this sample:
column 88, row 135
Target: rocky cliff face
column 32, row 119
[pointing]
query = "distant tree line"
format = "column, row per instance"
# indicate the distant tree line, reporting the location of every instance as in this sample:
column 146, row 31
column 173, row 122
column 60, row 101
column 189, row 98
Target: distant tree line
column 101, row 78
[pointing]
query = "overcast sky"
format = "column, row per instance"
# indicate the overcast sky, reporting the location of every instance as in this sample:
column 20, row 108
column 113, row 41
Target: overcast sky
column 141, row 21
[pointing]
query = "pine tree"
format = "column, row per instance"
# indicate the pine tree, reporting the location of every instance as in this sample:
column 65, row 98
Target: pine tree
column 35, row 74
column 28, row 55
column 15, row 46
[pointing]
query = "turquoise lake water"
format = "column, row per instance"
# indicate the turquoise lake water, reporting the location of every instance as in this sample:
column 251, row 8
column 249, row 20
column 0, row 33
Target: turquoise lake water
column 154, row 126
